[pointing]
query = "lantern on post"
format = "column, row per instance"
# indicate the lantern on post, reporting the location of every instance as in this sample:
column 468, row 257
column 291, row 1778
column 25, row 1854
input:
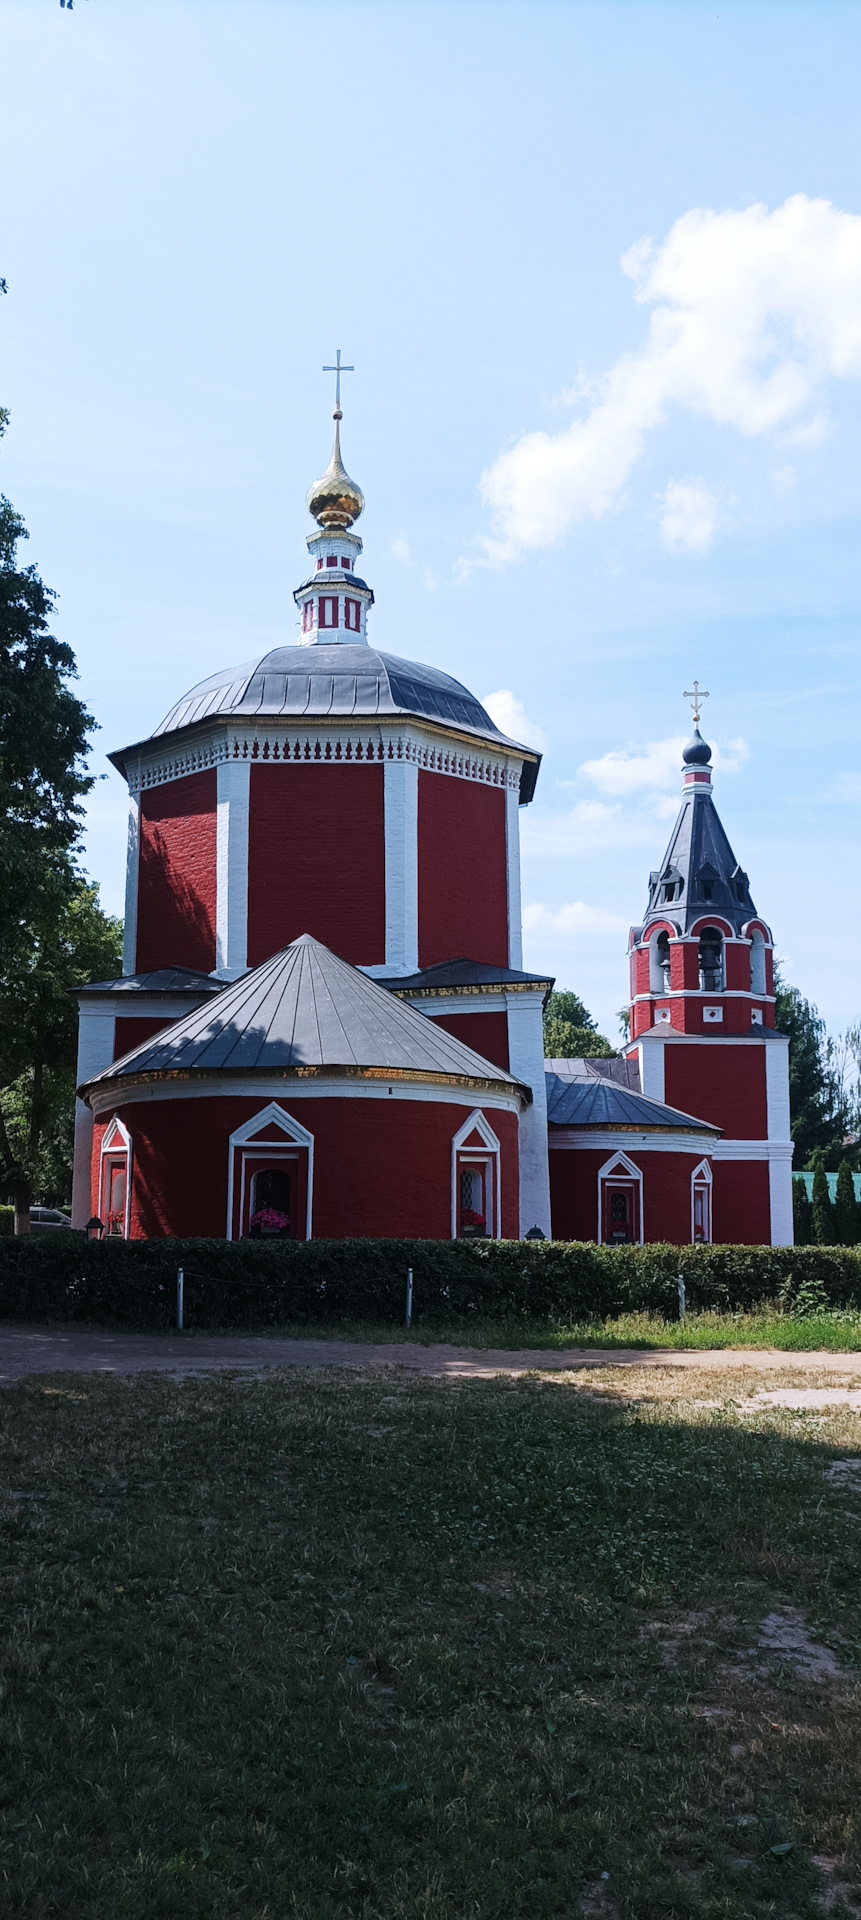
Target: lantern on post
column 94, row 1228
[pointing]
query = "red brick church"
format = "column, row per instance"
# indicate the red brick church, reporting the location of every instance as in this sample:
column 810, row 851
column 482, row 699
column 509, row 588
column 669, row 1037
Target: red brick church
column 324, row 1028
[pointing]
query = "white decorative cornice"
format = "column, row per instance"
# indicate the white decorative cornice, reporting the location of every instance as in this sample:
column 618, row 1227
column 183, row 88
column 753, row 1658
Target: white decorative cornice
column 280, row 743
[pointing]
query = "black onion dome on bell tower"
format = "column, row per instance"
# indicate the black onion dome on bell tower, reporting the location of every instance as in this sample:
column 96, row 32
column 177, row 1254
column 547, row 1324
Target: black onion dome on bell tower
column 699, row 873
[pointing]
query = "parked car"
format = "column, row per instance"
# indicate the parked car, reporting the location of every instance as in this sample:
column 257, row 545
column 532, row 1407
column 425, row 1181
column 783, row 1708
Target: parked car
column 48, row 1220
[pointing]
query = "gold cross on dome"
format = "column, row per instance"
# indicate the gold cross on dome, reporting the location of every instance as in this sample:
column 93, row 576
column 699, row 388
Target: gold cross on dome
column 337, row 370
column 696, row 698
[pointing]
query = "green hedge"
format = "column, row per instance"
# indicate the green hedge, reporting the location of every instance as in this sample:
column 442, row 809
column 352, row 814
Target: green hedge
column 268, row 1283
column 7, row 1222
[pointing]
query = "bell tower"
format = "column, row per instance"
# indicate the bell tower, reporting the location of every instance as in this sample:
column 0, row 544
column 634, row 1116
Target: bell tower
column 702, row 1011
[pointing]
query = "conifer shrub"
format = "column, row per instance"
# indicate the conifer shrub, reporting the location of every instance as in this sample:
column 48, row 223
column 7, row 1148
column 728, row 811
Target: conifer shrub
column 271, row 1283
column 802, row 1213
column 7, row 1222
column 823, row 1211
column 845, row 1209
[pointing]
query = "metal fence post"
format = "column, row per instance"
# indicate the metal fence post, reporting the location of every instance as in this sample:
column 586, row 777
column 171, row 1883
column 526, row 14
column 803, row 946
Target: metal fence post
column 409, row 1312
column 681, row 1297
column 180, row 1290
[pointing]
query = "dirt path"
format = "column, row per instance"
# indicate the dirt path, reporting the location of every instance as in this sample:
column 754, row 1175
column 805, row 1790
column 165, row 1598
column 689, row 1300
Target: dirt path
column 70, row 1349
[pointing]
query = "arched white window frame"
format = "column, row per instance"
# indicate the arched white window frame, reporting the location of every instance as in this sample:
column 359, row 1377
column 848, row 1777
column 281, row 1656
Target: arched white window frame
column 489, row 1150
column 246, row 1136
column 114, row 1138
column 619, row 1164
column 758, row 945
column 702, row 1177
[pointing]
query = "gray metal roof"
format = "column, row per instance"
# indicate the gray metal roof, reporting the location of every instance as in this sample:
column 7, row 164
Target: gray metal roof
column 700, row 857
column 598, row 1067
column 171, row 980
column 304, row 1009
column 337, row 682
column 603, row 1103
column 450, row 976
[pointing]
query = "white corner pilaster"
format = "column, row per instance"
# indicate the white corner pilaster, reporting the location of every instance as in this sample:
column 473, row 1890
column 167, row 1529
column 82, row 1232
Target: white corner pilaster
column 512, row 854
column 779, row 1137
column 95, row 1051
column 526, row 1062
column 130, row 927
column 651, row 1054
column 231, row 867
column 401, row 799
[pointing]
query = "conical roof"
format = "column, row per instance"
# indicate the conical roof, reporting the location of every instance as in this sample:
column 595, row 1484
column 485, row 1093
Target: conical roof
column 699, row 873
column 305, row 1011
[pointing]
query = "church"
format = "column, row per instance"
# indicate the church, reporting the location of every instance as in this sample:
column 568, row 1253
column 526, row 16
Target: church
column 324, row 1027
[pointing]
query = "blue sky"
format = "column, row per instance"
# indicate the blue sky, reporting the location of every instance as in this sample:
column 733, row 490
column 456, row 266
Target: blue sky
column 599, row 268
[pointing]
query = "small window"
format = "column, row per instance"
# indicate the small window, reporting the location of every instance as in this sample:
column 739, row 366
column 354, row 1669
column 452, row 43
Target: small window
column 307, row 615
column 114, row 1176
column 708, row 890
column 472, row 1202
column 319, row 565
column 352, row 615
column 739, row 890
column 346, row 563
column 331, row 560
column 329, row 613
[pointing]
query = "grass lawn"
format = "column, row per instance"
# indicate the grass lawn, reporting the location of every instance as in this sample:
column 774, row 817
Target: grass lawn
column 836, row 1331
column 328, row 1645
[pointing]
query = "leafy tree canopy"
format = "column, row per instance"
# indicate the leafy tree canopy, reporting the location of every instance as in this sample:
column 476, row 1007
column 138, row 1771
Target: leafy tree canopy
column 821, row 1108
column 43, row 746
column 38, row 1042
column 570, row 1033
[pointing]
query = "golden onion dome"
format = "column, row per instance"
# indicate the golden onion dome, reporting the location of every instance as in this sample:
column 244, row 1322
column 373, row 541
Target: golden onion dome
column 335, row 500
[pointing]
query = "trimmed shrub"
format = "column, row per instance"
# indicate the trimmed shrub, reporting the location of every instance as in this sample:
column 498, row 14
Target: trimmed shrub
column 823, row 1211
column 845, row 1210
column 7, row 1222
column 802, row 1213
column 276, row 1282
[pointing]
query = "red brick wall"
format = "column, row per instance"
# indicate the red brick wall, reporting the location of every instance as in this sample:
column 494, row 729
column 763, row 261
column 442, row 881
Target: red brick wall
column 316, row 860
column 741, row 1211
column 176, row 879
column 463, row 882
column 666, row 1192
column 721, row 1083
column 132, row 1033
column 737, row 968
column 486, row 1033
column 381, row 1168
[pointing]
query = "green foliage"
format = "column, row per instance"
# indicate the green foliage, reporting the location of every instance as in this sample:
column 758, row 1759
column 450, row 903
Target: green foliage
column 818, row 1107
column 823, row 1211
column 802, row 1213
column 43, row 746
column 845, row 1209
column 7, row 1222
column 570, row 1033
column 38, row 1039
column 264, row 1283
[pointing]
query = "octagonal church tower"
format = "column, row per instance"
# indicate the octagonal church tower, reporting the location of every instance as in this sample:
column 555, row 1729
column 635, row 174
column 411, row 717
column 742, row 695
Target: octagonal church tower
column 702, row 1018
column 330, row 790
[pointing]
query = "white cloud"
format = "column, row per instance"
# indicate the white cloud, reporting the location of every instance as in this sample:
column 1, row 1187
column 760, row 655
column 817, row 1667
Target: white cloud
column 576, row 916
column 752, row 312
column 689, row 517
column 628, row 770
column 510, row 716
column 400, row 550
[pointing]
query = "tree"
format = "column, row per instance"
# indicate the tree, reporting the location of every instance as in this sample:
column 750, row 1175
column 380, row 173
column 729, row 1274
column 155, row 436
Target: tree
column 38, row 1045
column 570, row 1033
column 845, row 1209
column 819, row 1112
column 823, row 1211
column 43, row 747
column 802, row 1213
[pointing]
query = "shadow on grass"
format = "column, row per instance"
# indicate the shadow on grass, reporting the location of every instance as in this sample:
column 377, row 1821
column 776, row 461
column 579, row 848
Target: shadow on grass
column 328, row 1645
